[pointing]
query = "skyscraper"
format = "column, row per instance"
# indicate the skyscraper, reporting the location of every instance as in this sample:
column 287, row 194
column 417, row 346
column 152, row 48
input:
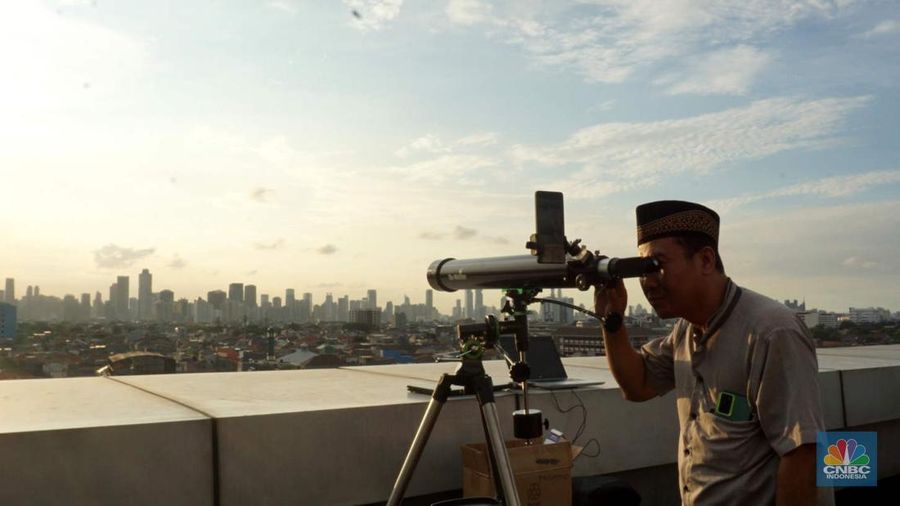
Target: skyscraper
column 7, row 321
column 85, row 306
column 10, row 292
column 145, row 295
column 122, row 296
column 469, row 312
column 216, row 299
column 236, row 292
column 429, row 303
column 479, row 304
column 250, row 295
column 290, row 304
column 373, row 299
column 97, row 309
column 306, row 307
column 166, row 305
column 343, row 309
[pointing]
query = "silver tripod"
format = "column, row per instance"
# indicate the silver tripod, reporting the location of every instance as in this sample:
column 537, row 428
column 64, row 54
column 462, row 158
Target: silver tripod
column 470, row 375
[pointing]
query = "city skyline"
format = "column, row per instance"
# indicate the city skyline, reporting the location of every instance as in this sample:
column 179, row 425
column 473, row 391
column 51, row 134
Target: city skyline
column 297, row 144
column 464, row 300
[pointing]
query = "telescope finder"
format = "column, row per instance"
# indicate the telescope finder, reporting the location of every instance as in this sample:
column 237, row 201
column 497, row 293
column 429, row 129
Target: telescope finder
column 549, row 243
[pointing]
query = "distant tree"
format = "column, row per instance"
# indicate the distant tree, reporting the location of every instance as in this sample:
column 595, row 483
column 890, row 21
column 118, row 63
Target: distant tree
column 847, row 325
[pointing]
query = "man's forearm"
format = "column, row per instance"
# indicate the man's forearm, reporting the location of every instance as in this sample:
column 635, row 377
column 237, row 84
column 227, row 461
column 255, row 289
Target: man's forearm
column 627, row 365
column 797, row 477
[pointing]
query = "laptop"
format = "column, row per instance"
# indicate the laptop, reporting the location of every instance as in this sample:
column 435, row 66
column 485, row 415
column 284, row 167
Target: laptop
column 547, row 370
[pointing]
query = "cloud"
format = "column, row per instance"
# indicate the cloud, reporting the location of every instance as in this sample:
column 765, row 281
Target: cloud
column 431, row 236
column 277, row 244
column 497, row 240
column 608, row 41
column 728, row 71
column 432, row 144
column 833, row 187
column 328, row 249
column 112, row 256
column 373, row 14
column 177, row 263
column 283, row 6
column 261, row 195
column 464, row 233
column 478, row 139
column 616, row 157
column 884, row 28
column 445, row 168
column 855, row 262
column 468, row 12
column 427, row 143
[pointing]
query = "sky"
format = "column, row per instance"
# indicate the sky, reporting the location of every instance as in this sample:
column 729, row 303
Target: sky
column 341, row 146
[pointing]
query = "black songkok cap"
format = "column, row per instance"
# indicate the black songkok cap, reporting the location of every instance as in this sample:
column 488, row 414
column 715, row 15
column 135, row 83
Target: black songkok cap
column 668, row 218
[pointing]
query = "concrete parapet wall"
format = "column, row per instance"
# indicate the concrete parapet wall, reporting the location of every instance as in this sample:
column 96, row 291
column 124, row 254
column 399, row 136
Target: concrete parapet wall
column 339, row 436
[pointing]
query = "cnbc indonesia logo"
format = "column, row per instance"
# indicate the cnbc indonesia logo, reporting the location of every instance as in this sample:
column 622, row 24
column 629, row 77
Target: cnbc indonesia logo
column 847, row 459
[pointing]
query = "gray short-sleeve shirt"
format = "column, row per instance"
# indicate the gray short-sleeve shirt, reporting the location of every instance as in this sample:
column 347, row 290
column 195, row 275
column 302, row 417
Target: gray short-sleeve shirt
column 759, row 350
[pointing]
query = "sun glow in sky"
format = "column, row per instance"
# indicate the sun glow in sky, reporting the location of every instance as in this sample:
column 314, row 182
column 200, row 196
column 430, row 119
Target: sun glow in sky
column 293, row 144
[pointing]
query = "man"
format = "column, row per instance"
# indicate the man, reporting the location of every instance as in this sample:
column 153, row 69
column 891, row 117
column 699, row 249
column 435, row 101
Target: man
column 743, row 367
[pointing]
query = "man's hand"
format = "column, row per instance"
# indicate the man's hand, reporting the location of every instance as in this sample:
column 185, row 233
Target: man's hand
column 611, row 298
column 626, row 364
column 797, row 477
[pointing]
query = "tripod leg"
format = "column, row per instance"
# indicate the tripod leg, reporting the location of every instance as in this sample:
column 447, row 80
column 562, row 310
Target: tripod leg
column 504, row 467
column 441, row 391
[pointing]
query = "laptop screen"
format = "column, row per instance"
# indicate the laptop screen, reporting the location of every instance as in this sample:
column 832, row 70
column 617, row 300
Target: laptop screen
column 542, row 357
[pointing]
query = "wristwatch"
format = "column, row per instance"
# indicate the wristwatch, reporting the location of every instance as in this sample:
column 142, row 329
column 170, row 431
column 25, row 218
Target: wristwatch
column 612, row 322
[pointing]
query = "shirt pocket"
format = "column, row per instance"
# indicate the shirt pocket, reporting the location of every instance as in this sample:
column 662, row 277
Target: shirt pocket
column 726, row 445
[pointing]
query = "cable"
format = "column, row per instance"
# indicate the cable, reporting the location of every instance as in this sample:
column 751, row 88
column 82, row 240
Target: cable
column 581, row 427
column 570, row 306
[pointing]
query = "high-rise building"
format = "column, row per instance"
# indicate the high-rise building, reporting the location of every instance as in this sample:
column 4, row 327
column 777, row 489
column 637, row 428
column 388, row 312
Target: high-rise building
column 343, row 309
column 122, row 298
column 469, row 311
column 9, row 293
column 85, row 306
column 236, row 292
column 29, row 293
column 37, row 291
column 388, row 313
column 328, row 308
column 71, row 308
column 479, row 304
column 369, row 317
column 7, row 321
column 290, row 304
column 264, row 300
column 216, row 299
column 429, row 302
column 372, row 295
column 166, row 305
column 250, row 295
column 97, row 309
column 306, row 307
column 145, row 295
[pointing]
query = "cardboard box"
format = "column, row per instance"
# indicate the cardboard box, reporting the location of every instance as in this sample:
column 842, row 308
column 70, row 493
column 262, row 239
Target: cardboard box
column 543, row 472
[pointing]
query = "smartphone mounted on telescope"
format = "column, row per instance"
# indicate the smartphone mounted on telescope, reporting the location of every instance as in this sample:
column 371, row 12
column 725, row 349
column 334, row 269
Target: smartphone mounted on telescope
column 549, row 243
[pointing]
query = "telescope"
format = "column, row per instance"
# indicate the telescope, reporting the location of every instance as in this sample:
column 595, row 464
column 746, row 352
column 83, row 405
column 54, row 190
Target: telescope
column 553, row 263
